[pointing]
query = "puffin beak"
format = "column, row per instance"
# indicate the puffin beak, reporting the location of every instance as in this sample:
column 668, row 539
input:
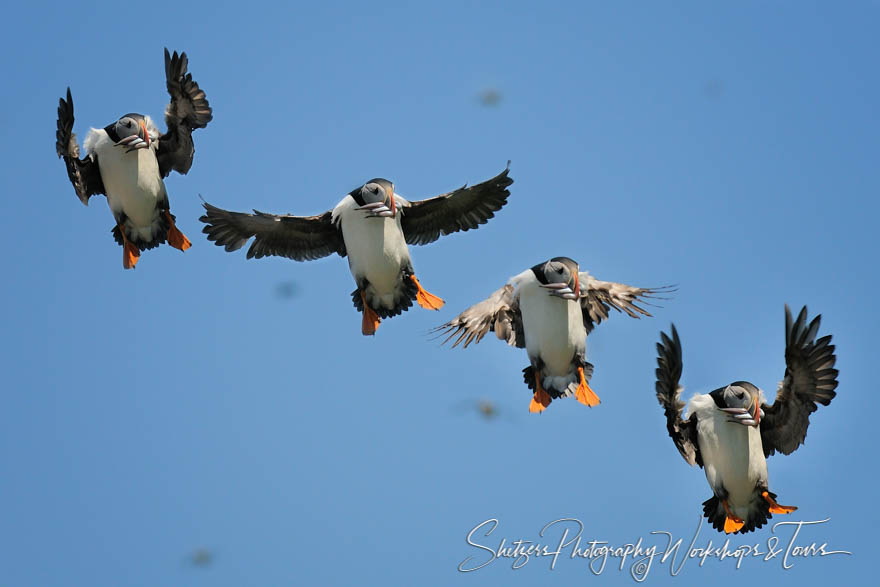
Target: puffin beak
column 393, row 202
column 377, row 210
column 146, row 134
column 138, row 141
column 561, row 290
column 746, row 417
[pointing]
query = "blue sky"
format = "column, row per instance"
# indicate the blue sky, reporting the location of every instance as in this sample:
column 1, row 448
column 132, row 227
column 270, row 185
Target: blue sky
column 186, row 404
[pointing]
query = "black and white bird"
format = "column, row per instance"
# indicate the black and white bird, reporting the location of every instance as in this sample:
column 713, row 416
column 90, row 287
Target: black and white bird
column 372, row 225
column 127, row 160
column 549, row 309
column 731, row 431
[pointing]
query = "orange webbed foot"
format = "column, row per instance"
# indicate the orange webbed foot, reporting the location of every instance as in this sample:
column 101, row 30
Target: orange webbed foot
column 425, row 299
column 176, row 238
column 131, row 254
column 585, row 393
column 775, row 508
column 370, row 320
column 732, row 524
column 541, row 399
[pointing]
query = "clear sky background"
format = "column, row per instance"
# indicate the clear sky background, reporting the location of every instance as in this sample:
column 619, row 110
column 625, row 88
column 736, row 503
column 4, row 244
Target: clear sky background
column 204, row 401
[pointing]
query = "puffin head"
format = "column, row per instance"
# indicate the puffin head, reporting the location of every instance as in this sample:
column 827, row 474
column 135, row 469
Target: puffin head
column 742, row 401
column 559, row 276
column 376, row 198
column 130, row 131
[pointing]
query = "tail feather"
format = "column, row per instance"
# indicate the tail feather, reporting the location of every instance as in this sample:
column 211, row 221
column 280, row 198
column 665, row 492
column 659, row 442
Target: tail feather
column 529, row 378
column 160, row 236
column 714, row 513
column 758, row 514
column 408, row 292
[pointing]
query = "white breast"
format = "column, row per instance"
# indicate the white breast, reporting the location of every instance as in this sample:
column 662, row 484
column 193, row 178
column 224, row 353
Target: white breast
column 733, row 456
column 131, row 181
column 554, row 328
column 376, row 248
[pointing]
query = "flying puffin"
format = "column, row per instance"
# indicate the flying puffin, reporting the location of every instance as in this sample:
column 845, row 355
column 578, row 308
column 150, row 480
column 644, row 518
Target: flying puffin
column 731, row 431
column 549, row 309
column 127, row 159
column 372, row 225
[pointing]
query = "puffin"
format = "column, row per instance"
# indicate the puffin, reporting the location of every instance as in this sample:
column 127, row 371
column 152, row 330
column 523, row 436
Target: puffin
column 128, row 159
column 372, row 225
column 732, row 430
column 549, row 310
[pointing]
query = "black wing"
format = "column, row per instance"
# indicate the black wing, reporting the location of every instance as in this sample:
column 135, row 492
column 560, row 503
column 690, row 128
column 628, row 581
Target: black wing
column 810, row 379
column 682, row 432
column 187, row 111
column 83, row 173
column 499, row 312
column 463, row 209
column 598, row 297
column 302, row 238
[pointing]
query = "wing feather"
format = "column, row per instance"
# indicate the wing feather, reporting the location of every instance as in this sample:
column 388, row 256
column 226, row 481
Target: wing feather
column 424, row 221
column 810, row 379
column 84, row 173
column 499, row 313
column 187, row 111
column 599, row 297
column 302, row 238
column 668, row 388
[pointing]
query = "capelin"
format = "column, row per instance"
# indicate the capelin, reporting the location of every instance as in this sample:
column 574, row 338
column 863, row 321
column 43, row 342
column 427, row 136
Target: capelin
column 377, row 209
column 561, row 290
column 740, row 416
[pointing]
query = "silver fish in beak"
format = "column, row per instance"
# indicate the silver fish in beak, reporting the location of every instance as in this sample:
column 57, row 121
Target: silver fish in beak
column 141, row 140
column 377, row 210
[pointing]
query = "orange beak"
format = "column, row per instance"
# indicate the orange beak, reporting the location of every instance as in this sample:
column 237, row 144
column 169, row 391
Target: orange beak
column 146, row 134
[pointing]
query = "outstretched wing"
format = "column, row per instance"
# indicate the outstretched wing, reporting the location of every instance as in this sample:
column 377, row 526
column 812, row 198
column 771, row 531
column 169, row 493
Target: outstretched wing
column 598, row 297
column 187, row 111
column 499, row 312
column 302, row 238
column 463, row 209
column 669, row 365
column 83, row 173
column 810, row 379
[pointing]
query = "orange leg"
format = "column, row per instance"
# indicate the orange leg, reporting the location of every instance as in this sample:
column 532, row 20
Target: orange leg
column 425, row 299
column 584, row 393
column 130, row 253
column 176, row 238
column 370, row 321
column 541, row 399
column 731, row 523
column 775, row 508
